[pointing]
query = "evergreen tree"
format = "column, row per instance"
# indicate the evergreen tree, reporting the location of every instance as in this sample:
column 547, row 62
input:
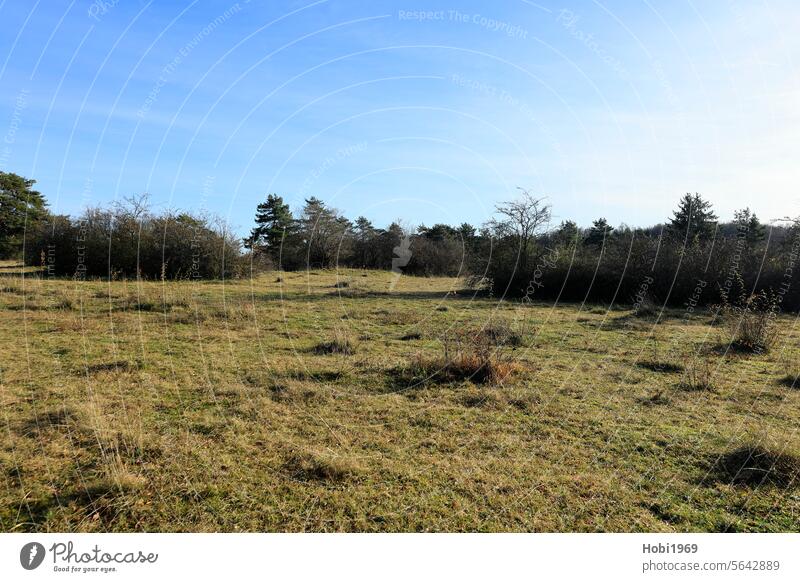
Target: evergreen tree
column 21, row 207
column 598, row 233
column 274, row 223
column 364, row 235
column 467, row 232
column 694, row 219
column 748, row 226
column 326, row 233
column 438, row 232
column 566, row 233
column 388, row 240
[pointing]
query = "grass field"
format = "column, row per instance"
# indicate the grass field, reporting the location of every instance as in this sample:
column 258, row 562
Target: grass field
column 292, row 403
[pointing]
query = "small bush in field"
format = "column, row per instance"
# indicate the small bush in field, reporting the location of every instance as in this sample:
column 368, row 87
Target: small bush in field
column 65, row 303
column 750, row 319
column 500, row 333
column 466, row 355
column 645, row 306
column 698, row 377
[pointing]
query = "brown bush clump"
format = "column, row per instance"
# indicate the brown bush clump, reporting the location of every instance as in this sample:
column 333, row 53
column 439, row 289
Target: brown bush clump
column 698, row 377
column 466, row 355
column 750, row 319
column 501, row 333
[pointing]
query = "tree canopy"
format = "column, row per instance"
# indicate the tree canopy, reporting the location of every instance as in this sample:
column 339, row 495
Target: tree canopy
column 694, row 219
column 21, row 207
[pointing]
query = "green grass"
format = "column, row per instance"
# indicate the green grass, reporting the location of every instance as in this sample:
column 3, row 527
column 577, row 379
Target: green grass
column 210, row 406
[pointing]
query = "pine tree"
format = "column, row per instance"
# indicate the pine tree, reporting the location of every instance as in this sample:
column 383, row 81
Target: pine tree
column 748, row 226
column 20, row 208
column 694, row 219
column 274, row 222
column 325, row 231
column 598, row 233
column 466, row 231
column 566, row 233
column 364, row 235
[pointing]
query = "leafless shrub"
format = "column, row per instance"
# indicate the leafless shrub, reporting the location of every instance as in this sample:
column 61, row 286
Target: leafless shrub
column 698, row 377
column 466, row 355
column 501, row 333
column 750, row 319
column 646, row 306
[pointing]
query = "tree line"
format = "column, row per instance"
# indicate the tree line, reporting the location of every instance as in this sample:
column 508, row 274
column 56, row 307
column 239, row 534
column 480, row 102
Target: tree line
column 691, row 259
column 124, row 239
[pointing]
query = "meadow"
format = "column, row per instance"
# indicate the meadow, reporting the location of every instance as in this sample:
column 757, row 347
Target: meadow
column 319, row 401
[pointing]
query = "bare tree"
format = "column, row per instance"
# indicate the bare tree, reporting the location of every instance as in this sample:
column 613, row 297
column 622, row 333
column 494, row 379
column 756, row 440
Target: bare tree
column 136, row 206
column 522, row 218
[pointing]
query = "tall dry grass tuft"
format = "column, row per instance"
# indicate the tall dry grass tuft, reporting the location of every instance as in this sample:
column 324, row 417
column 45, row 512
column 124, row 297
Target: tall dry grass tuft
column 466, row 355
column 698, row 377
column 750, row 319
column 340, row 344
column 501, row 333
column 646, row 306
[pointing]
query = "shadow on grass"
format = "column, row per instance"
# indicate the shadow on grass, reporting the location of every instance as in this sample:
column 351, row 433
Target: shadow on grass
column 99, row 500
column 316, row 376
column 663, row 367
column 115, row 366
column 53, row 419
column 735, row 349
column 656, row 399
column 755, row 466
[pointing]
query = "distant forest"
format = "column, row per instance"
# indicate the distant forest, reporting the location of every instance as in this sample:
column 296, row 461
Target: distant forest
column 692, row 259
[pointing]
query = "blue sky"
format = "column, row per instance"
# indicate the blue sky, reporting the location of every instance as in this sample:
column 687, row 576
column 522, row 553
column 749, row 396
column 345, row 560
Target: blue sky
column 427, row 112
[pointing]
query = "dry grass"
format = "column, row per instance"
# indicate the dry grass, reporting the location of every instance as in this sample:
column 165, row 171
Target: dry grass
column 307, row 465
column 502, row 333
column 699, row 377
column 340, row 344
column 471, row 367
column 216, row 414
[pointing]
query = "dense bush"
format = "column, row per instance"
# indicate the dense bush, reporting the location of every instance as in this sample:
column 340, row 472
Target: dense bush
column 128, row 241
column 641, row 266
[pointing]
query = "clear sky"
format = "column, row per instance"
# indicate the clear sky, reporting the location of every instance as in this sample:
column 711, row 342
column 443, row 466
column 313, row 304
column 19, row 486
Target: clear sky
column 427, row 111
